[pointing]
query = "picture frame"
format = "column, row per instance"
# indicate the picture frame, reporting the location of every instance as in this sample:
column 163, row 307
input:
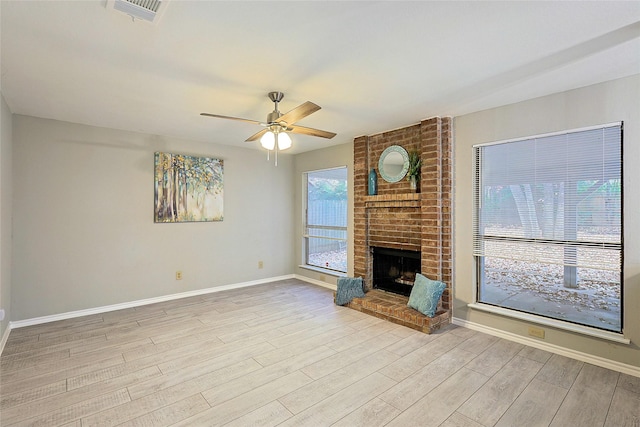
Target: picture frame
column 188, row 188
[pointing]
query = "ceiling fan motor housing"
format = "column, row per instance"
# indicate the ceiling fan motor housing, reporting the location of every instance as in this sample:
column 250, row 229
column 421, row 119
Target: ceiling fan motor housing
column 273, row 116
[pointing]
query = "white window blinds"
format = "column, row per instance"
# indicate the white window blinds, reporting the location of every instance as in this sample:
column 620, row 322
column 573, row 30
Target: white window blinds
column 553, row 199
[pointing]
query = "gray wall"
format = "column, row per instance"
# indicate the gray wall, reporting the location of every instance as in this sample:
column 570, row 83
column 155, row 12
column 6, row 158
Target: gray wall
column 84, row 234
column 612, row 101
column 6, row 192
column 330, row 157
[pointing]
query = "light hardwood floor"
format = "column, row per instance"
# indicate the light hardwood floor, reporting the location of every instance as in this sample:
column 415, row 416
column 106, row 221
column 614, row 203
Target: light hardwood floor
column 284, row 354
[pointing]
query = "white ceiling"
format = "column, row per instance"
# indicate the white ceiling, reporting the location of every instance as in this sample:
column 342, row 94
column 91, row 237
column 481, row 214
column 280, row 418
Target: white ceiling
column 371, row 66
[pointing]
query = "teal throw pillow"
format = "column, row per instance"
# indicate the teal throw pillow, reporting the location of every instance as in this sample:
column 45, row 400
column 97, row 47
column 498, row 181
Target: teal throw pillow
column 348, row 289
column 425, row 295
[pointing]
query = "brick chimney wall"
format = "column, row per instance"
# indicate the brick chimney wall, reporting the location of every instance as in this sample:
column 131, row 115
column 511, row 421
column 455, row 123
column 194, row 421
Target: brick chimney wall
column 397, row 217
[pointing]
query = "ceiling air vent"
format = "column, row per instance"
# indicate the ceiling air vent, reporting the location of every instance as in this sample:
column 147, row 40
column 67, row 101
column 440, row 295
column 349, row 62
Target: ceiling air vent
column 145, row 10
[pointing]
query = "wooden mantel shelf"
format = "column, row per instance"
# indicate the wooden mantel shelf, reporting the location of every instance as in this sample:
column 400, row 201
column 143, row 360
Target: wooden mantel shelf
column 391, row 197
column 406, row 200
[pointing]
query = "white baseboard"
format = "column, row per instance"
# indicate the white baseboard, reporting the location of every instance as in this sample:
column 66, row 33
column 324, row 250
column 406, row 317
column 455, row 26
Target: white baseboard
column 315, row 282
column 552, row 348
column 4, row 338
column 114, row 307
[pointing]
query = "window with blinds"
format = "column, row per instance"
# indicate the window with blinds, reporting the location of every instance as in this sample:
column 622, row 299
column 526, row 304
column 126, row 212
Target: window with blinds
column 548, row 225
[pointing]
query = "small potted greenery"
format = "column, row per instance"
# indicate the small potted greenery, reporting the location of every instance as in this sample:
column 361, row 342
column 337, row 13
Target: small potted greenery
column 413, row 174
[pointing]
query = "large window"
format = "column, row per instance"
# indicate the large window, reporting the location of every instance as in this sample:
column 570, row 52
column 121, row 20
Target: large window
column 548, row 225
column 325, row 235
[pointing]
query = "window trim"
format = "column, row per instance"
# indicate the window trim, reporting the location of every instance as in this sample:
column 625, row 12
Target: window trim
column 545, row 135
column 615, row 336
column 335, row 273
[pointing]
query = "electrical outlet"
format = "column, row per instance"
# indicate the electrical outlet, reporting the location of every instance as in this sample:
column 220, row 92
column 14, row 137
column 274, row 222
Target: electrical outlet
column 178, row 275
column 536, row 332
column 260, row 264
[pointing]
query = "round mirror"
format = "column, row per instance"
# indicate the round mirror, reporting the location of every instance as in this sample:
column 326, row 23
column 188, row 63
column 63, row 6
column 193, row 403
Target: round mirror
column 394, row 163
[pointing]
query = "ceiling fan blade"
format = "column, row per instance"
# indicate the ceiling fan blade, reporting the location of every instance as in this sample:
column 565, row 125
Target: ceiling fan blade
column 299, row 113
column 309, row 131
column 256, row 136
column 233, row 118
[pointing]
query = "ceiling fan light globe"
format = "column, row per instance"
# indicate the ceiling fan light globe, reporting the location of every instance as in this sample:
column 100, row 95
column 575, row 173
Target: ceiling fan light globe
column 268, row 141
column 284, row 141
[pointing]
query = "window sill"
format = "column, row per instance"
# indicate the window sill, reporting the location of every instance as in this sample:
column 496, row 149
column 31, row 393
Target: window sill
column 323, row 270
column 557, row 324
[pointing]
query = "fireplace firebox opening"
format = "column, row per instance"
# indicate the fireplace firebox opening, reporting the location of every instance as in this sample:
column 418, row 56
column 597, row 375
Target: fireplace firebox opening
column 394, row 270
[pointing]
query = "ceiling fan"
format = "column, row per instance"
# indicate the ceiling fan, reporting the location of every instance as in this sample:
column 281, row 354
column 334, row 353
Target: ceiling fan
column 274, row 136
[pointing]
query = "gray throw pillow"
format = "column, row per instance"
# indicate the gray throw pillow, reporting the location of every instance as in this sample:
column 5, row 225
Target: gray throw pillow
column 425, row 295
column 348, row 289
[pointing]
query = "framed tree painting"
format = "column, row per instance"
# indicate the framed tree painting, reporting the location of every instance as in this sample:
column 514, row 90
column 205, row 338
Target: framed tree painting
column 187, row 188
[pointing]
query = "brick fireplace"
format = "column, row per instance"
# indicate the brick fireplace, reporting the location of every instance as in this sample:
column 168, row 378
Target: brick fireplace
column 398, row 218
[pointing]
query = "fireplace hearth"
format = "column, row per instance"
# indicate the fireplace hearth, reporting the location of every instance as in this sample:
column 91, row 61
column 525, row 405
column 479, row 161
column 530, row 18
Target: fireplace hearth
column 394, row 270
